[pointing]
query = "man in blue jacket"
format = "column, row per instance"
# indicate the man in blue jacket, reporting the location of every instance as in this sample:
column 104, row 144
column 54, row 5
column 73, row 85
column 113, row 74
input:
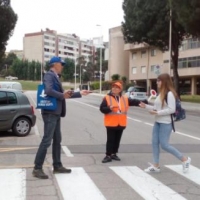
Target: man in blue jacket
column 53, row 88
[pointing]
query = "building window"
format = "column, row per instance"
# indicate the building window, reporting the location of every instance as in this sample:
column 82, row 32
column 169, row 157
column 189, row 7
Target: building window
column 134, row 70
column 189, row 62
column 46, row 37
column 143, row 69
column 143, row 54
column 134, row 55
column 153, row 52
column 46, row 43
column 153, row 68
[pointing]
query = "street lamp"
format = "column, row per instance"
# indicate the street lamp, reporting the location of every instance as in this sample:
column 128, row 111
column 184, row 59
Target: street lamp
column 100, row 45
column 170, row 36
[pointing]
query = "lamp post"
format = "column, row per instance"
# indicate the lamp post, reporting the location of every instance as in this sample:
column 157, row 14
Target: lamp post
column 100, row 67
column 170, row 36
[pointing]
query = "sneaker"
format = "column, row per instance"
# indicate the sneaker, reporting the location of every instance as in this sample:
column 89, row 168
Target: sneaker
column 61, row 170
column 107, row 159
column 115, row 157
column 152, row 168
column 39, row 173
column 186, row 165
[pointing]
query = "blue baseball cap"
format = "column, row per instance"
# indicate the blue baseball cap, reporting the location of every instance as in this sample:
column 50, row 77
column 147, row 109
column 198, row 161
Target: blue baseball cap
column 56, row 59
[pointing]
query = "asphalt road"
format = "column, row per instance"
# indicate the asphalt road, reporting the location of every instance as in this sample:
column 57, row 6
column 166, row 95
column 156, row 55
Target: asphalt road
column 83, row 141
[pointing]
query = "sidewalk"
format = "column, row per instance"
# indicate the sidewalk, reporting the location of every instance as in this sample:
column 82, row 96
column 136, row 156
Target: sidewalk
column 185, row 105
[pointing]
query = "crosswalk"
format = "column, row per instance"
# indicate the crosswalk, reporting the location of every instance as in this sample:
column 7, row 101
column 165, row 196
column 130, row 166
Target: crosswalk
column 80, row 186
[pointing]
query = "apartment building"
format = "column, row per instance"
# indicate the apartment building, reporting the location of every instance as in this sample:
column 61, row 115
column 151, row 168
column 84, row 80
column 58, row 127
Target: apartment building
column 146, row 62
column 68, row 46
column 42, row 46
column 86, row 49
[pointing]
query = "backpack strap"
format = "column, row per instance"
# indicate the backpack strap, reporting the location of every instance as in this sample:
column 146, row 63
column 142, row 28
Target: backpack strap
column 173, row 127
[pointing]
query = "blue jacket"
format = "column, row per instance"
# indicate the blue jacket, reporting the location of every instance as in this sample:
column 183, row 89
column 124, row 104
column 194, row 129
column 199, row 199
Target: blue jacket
column 53, row 88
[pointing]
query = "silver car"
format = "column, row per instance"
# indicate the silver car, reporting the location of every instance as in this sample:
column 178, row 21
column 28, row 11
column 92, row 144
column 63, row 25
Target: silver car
column 16, row 113
column 137, row 92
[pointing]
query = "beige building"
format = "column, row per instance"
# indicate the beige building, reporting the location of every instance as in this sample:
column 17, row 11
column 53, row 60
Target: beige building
column 118, row 58
column 42, row 46
column 146, row 62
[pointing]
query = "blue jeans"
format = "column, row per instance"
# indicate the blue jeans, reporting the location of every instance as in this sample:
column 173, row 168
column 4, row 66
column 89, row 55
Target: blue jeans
column 160, row 137
column 51, row 132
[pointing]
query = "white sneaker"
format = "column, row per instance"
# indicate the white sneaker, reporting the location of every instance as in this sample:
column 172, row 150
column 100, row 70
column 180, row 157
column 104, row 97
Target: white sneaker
column 152, row 168
column 186, row 165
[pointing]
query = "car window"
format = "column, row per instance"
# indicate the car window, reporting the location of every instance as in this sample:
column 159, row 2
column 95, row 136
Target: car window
column 130, row 89
column 3, row 98
column 12, row 99
column 140, row 90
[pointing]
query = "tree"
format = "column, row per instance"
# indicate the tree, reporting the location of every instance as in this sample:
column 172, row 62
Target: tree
column 8, row 19
column 148, row 22
column 188, row 12
column 115, row 77
column 69, row 69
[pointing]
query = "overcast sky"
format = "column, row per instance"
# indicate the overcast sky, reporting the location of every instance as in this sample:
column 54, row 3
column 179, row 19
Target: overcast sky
column 65, row 16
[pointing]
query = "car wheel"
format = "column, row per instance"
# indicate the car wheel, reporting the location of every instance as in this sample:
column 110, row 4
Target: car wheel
column 22, row 127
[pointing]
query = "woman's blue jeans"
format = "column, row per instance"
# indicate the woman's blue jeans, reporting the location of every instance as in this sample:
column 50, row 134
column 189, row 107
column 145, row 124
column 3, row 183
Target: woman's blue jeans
column 160, row 137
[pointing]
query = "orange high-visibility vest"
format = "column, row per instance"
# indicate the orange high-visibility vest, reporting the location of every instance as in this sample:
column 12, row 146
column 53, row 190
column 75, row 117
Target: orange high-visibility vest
column 118, row 116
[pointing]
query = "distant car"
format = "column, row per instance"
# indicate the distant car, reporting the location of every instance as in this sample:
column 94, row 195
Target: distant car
column 11, row 78
column 137, row 92
column 11, row 85
column 16, row 113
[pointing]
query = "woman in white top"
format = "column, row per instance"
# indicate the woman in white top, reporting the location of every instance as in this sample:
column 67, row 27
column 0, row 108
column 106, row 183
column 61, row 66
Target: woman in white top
column 163, row 123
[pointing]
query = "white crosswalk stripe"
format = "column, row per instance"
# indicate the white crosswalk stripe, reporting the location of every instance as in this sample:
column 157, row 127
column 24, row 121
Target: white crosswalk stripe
column 12, row 184
column 79, row 186
column 145, row 185
column 193, row 175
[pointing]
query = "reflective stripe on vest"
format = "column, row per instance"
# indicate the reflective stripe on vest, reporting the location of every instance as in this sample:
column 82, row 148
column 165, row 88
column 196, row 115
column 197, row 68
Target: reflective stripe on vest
column 116, row 118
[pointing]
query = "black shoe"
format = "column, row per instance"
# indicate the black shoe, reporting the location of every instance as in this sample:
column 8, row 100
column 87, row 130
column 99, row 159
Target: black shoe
column 107, row 159
column 61, row 170
column 39, row 173
column 115, row 157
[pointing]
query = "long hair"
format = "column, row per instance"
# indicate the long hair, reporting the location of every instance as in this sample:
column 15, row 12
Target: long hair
column 166, row 86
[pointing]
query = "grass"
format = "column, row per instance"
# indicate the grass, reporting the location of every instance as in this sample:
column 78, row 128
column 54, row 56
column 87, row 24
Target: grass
column 31, row 85
column 191, row 98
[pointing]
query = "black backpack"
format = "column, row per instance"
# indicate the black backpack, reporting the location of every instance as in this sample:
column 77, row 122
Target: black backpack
column 179, row 112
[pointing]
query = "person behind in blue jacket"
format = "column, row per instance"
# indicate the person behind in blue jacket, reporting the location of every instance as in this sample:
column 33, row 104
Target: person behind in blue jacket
column 53, row 88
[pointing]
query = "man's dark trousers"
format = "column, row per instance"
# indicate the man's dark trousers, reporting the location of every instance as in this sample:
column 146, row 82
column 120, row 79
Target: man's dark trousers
column 51, row 132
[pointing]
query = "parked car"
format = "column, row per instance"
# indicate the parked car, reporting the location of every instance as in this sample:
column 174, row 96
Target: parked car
column 137, row 92
column 11, row 78
column 10, row 85
column 16, row 113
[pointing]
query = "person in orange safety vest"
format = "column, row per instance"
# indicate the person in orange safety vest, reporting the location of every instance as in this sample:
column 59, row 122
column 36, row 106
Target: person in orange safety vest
column 114, row 107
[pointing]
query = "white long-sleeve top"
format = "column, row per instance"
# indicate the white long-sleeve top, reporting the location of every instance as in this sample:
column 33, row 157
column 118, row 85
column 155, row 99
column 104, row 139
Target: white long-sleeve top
column 164, row 112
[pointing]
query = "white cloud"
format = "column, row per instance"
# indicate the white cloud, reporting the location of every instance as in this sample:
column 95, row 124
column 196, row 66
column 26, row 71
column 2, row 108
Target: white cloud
column 65, row 16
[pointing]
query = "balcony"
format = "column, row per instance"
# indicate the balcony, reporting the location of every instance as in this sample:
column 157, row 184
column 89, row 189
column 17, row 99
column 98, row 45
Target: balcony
column 129, row 47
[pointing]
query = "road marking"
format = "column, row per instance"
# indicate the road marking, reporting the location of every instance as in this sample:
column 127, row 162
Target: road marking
column 145, row 185
column 67, row 151
column 136, row 120
column 95, row 107
column 78, row 185
column 183, row 134
column 148, row 124
column 13, row 184
column 192, row 175
column 186, row 135
column 36, row 130
column 16, row 149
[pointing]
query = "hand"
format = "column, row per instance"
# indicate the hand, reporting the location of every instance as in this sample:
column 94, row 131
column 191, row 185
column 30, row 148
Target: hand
column 111, row 107
column 85, row 92
column 142, row 105
column 153, row 112
column 68, row 94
